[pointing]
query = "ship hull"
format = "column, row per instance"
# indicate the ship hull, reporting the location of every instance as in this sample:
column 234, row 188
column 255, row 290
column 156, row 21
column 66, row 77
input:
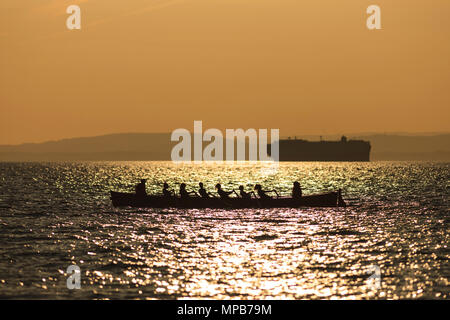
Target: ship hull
column 120, row 199
column 302, row 150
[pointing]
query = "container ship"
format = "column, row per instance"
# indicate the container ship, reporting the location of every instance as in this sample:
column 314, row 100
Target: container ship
column 343, row 150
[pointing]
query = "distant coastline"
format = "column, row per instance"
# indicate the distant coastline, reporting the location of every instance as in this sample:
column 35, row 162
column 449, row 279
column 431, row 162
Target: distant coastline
column 157, row 147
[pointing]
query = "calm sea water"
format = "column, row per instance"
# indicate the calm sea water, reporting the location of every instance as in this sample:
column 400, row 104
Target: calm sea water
column 53, row 215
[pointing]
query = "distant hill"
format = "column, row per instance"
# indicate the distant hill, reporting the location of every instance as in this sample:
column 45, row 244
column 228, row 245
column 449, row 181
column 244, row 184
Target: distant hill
column 157, row 146
column 122, row 146
column 399, row 147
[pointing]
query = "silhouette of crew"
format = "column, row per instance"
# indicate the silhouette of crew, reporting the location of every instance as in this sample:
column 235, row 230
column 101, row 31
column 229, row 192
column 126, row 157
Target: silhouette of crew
column 140, row 188
column 296, row 190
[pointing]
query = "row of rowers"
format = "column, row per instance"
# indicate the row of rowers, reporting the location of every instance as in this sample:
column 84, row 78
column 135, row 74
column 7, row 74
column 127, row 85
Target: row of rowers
column 202, row 192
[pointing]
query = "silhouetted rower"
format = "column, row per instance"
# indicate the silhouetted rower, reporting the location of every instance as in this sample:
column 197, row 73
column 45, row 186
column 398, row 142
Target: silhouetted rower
column 263, row 194
column 166, row 191
column 222, row 193
column 296, row 190
column 140, row 188
column 203, row 193
column 183, row 193
column 245, row 195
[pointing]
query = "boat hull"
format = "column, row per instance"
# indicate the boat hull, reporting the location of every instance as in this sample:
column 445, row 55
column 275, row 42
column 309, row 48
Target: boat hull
column 120, row 199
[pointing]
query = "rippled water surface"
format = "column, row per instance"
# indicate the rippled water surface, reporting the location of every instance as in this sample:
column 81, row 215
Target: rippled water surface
column 53, row 215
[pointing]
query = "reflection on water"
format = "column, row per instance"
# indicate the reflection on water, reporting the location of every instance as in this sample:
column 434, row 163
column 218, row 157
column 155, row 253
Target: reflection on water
column 55, row 215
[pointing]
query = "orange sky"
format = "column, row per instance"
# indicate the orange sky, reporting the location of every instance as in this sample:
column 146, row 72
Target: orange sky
column 305, row 67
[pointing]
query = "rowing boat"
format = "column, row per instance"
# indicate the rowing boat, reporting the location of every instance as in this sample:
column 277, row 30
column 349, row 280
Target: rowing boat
column 121, row 199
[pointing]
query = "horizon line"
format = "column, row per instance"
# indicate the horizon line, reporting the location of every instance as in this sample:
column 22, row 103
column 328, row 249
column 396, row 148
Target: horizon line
column 358, row 134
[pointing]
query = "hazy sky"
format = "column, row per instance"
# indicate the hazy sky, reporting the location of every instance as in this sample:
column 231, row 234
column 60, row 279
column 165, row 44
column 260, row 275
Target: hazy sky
column 306, row 67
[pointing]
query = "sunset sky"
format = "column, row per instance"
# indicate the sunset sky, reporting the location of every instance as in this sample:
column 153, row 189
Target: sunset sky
column 305, row 67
